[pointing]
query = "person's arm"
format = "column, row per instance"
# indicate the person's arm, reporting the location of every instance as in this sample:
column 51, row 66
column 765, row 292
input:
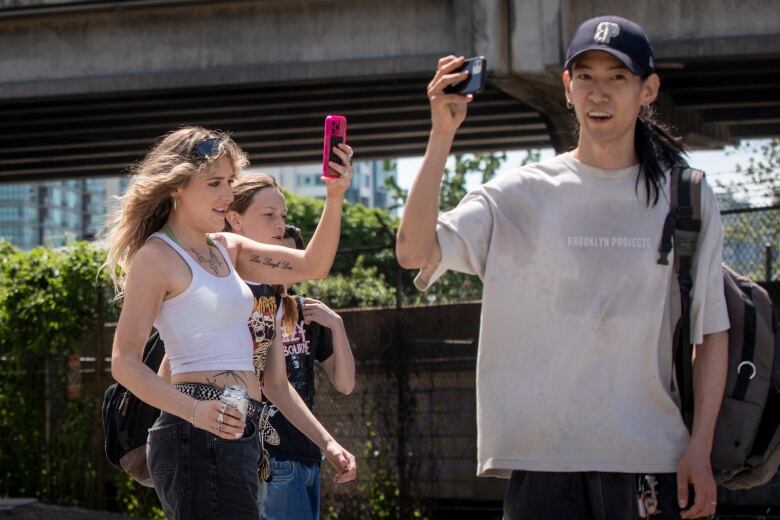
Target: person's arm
column 282, row 394
column 284, row 266
column 340, row 366
column 709, row 382
column 416, row 245
column 145, row 289
column 164, row 372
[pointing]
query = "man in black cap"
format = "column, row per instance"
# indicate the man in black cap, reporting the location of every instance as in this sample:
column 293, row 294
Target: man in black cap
column 574, row 402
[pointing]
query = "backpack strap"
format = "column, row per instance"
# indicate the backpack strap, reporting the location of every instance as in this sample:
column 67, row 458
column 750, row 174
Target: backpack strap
column 681, row 231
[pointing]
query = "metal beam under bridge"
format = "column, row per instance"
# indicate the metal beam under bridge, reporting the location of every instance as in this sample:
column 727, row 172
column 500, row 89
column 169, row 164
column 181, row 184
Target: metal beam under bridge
column 86, row 85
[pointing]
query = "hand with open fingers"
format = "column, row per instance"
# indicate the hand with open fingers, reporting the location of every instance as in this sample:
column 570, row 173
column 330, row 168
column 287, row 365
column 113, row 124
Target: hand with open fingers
column 317, row 312
column 694, row 469
column 337, row 186
column 447, row 110
column 218, row 418
column 342, row 461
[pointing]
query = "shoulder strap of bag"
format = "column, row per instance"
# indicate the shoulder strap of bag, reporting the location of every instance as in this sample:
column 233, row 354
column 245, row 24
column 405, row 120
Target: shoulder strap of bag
column 681, row 232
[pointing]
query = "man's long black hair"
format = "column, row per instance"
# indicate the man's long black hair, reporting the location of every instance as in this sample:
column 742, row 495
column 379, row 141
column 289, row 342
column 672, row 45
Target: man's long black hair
column 657, row 150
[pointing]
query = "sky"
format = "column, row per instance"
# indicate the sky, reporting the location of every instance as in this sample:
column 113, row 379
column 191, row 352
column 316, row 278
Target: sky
column 719, row 165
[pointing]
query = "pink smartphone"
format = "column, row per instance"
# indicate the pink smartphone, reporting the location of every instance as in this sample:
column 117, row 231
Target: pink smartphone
column 335, row 134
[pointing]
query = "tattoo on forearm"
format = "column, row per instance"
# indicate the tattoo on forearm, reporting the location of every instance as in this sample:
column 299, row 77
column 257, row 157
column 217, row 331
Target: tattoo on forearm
column 270, row 262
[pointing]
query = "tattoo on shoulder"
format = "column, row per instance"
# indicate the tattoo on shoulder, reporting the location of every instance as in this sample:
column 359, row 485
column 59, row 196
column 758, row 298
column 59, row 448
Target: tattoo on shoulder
column 270, row 262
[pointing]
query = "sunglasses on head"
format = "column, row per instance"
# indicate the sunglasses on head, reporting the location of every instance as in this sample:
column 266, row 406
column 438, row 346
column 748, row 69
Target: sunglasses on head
column 208, row 149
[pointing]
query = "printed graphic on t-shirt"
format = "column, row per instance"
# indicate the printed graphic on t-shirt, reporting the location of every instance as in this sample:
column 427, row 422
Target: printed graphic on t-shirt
column 613, row 242
column 296, row 356
column 261, row 325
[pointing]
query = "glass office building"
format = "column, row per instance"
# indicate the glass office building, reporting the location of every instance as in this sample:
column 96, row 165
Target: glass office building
column 367, row 188
column 52, row 213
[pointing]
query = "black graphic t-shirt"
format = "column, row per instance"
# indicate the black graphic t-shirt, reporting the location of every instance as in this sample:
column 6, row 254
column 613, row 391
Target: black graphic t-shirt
column 305, row 345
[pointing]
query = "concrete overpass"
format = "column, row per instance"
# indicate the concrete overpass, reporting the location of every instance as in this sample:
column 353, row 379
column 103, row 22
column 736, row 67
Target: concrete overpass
column 86, row 85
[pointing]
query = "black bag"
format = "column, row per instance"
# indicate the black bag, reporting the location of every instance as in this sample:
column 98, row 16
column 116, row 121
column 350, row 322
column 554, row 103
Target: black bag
column 746, row 448
column 127, row 419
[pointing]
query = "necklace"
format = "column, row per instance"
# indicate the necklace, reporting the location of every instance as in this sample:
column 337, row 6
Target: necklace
column 212, row 262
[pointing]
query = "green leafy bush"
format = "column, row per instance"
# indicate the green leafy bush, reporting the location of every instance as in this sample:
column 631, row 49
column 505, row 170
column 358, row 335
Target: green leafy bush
column 49, row 302
column 364, row 287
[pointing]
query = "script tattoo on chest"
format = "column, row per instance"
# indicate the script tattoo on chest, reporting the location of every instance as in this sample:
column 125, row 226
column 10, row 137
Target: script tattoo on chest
column 270, row 262
column 212, row 262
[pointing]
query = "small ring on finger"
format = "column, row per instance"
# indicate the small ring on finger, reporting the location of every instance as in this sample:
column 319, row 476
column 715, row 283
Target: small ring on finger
column 221, row 418
column 218, row 426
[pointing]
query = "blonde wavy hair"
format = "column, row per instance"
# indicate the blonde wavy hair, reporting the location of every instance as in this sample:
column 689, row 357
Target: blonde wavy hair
column 244, row 191
column 147, row 203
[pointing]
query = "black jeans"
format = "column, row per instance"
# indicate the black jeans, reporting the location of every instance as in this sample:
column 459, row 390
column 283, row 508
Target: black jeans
column 533, row 495
column 198, row 475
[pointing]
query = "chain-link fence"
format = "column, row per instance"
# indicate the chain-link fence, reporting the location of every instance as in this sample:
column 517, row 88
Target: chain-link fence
column 751, row 239
column 411, row 418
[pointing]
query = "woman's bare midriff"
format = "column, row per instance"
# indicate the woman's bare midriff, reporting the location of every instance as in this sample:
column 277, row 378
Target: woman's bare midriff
column 221, row 379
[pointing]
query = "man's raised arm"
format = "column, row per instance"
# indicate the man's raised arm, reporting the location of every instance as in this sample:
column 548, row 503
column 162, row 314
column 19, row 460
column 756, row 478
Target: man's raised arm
column 416, row 245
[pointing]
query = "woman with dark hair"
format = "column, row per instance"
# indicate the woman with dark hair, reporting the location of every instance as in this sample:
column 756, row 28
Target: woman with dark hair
column 574, row 401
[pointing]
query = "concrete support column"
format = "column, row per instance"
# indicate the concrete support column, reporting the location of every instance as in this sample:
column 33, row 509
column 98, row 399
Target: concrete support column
column 533, row 69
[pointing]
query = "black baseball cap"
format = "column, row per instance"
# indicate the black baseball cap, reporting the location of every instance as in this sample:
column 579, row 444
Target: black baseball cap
column 617, row 36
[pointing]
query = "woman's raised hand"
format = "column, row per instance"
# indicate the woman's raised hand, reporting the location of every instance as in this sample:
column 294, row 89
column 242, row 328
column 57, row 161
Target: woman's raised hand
column 337, row 186
column 447, row 110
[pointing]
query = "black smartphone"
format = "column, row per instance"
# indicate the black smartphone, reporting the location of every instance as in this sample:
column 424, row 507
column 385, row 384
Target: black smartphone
column 475, row 82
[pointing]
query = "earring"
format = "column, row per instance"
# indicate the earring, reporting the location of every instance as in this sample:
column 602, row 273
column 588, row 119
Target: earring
column 569, row 104
column 174, row 203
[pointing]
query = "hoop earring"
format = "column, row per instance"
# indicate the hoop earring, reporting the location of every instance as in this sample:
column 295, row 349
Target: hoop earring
column 569, row 104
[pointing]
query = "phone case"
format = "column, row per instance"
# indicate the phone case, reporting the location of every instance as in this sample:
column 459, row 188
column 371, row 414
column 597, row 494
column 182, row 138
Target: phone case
column 475, row 83
column 335, row 133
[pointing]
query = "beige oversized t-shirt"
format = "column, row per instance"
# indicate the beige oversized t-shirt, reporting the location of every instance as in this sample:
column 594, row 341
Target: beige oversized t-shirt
column 574, row 361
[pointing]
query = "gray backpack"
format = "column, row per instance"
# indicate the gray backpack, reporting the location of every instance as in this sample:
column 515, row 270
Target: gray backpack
column 746, row 449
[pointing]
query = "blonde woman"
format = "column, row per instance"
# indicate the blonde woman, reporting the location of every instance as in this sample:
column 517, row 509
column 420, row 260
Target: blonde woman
column 176, row 272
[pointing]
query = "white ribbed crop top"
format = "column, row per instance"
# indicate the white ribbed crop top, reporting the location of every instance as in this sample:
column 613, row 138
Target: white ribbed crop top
column 205, row 327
